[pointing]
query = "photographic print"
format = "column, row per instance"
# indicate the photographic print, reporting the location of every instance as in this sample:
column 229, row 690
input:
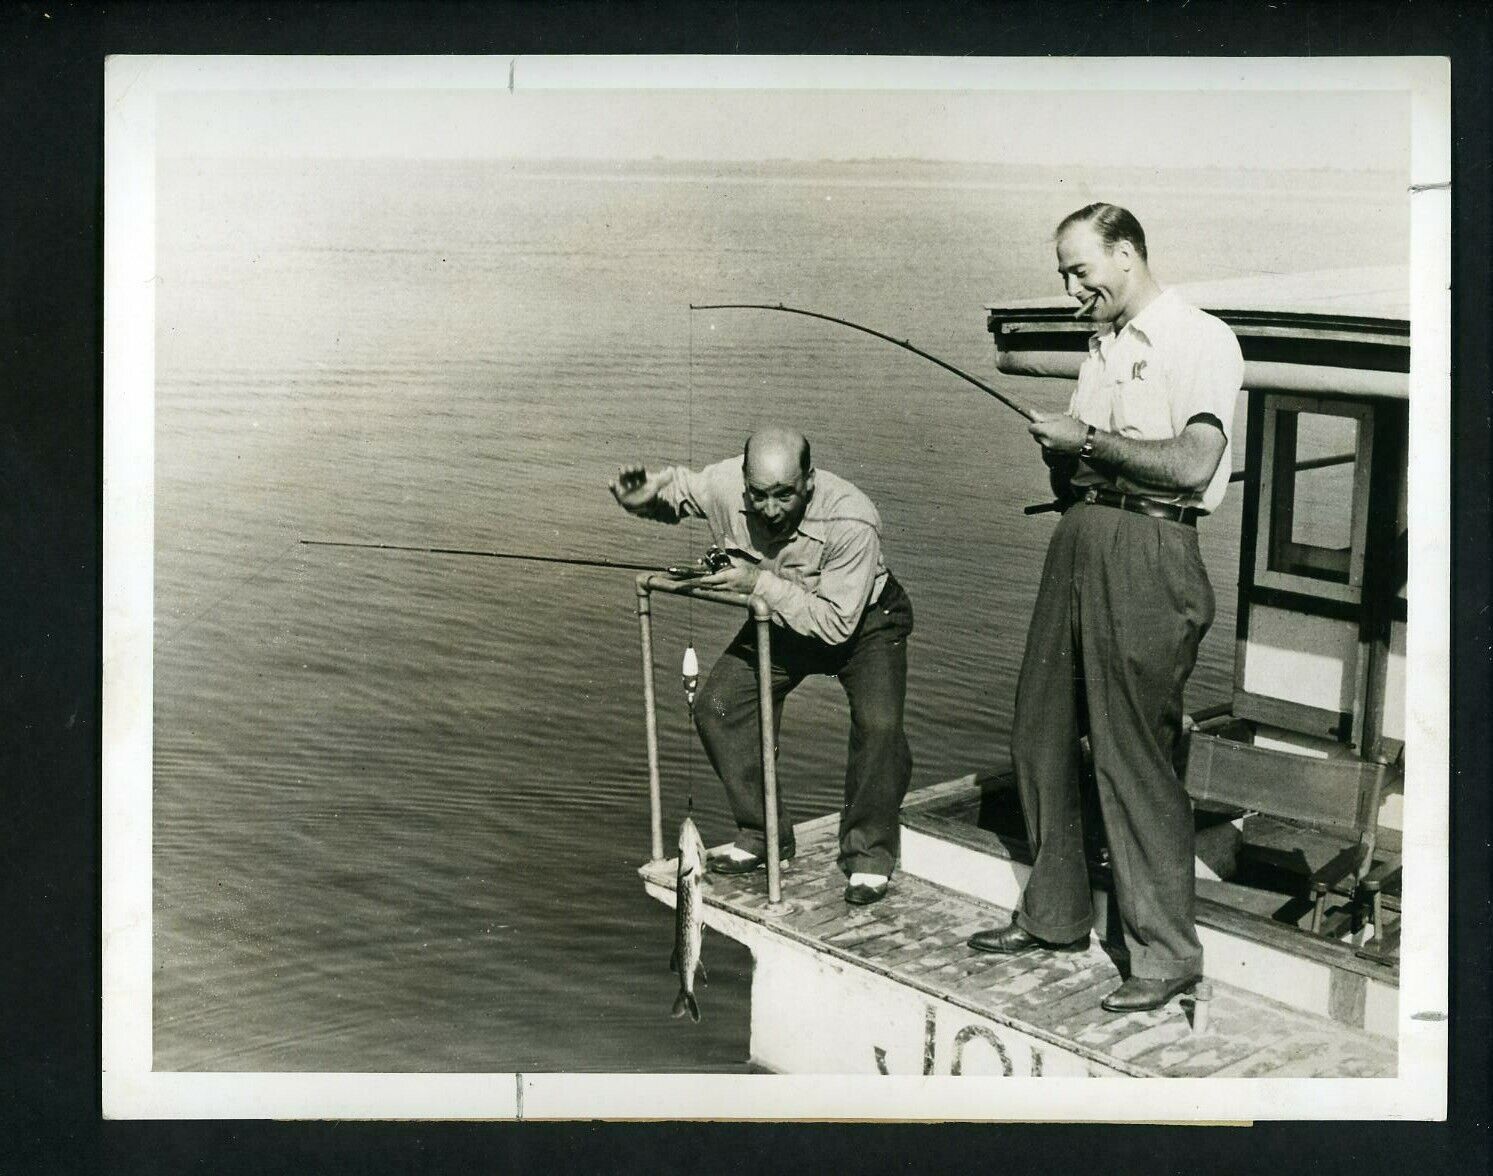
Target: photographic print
column 776, row 588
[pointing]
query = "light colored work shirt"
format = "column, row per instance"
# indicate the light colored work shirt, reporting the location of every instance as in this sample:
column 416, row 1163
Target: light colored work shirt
column 1170, row 364
column 817, row 580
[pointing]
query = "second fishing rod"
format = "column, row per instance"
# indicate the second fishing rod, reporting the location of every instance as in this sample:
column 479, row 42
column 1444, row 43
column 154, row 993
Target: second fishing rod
column 710, row 562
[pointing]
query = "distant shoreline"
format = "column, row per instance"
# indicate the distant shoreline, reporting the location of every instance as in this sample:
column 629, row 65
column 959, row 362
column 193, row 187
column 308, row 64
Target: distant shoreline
column 1311, row 182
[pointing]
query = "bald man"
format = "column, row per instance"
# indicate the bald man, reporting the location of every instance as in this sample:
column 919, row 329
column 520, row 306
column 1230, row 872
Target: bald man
column 808, row 544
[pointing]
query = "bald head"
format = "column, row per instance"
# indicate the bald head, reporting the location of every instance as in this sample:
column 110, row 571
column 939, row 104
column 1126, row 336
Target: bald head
column 779, row 478
column 775, row 455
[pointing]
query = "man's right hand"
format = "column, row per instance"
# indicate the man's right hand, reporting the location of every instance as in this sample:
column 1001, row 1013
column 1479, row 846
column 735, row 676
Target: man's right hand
column 634, row 488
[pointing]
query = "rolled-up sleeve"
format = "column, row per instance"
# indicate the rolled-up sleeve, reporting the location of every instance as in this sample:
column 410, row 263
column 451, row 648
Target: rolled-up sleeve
column 832, row 609
column 680, row 497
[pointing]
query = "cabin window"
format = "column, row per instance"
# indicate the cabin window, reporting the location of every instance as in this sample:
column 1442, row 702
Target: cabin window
column 1314, row 496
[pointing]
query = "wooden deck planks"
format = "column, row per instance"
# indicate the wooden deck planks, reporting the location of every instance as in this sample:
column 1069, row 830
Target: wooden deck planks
column 988, row 974
column 918, row 935
column 1050, row 1006
column 1306, row 1057
column 921, row 944
column 1167, row 1032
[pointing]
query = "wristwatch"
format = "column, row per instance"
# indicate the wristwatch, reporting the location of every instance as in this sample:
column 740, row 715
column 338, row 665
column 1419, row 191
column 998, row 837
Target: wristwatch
column 1088, row 444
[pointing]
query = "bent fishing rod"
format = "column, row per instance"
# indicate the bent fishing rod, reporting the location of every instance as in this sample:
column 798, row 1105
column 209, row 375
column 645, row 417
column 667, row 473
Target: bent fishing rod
column 1005, row 398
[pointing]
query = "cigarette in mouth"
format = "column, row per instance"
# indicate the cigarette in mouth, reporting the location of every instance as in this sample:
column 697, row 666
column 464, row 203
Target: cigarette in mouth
column 1086, row 307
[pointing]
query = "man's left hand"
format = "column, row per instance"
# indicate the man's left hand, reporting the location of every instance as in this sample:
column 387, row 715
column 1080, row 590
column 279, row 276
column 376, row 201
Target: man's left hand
column 1058, row 432
column 741, row 576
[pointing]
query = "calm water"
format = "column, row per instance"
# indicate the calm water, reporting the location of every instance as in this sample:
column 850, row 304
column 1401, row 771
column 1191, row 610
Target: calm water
column 400, row 799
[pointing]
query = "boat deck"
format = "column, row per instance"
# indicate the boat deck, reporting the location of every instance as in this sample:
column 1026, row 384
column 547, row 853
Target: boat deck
column 966, row 813
column 917, row 935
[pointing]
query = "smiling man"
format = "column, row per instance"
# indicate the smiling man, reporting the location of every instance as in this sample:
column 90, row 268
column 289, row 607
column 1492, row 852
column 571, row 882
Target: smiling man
column 1124, row 601
column 808, row 544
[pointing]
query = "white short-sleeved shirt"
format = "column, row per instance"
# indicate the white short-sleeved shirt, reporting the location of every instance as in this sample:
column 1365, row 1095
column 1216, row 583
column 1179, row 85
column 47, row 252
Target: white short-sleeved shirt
column 1171, row 364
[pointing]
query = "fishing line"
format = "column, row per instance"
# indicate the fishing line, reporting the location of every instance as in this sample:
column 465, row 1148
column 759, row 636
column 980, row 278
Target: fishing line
column 689, row 417
column 689, row 669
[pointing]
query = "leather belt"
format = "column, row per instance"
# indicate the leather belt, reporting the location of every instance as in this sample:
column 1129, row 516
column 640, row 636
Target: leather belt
column 1140, row 504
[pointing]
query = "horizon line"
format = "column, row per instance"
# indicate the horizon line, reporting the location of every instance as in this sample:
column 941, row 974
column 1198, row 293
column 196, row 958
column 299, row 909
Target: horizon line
column 775, row 159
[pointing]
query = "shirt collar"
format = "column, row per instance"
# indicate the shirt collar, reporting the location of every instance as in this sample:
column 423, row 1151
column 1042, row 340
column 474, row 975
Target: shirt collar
column 812, row 525
column 1151, row 322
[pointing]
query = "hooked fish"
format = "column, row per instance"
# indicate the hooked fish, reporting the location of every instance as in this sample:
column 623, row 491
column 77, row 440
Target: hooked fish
column 689, row 919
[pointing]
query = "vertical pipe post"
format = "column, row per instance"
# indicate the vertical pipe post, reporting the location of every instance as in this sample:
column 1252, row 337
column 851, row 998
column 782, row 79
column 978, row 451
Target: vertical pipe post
column 763, row 616
column 650, row 719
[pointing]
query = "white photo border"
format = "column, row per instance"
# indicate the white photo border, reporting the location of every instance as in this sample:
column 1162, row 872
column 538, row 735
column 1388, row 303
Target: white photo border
column 131, row 1089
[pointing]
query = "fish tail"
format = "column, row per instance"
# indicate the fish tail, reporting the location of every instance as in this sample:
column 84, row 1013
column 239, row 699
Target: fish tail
column 685, row 1002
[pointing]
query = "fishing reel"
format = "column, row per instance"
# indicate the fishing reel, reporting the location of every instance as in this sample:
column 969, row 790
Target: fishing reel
column 714, row 560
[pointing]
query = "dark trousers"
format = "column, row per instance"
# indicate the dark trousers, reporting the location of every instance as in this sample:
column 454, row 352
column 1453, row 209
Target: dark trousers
column 1123, row 604
column 872, row 667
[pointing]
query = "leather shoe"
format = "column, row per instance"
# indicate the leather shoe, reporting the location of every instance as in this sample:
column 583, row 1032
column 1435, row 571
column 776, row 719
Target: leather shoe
column 863, row 895
column 1014, row 940
column 1139, row 994
column 722, row 863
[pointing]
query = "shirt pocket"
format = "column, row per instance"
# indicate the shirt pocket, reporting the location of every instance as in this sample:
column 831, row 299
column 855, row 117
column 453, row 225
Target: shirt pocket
column 1141, row 406
column 800, row 563
column 808, row 561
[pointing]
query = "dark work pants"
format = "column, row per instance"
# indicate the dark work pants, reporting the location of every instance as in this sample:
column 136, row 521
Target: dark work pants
column 872, row 667
column 1123, row 604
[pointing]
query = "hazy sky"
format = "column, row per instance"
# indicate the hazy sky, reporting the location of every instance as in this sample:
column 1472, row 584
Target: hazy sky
column 1257, row 129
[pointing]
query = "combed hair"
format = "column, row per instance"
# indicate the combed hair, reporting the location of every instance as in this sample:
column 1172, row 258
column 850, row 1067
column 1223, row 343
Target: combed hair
column 805, row 458
column 1113, row 224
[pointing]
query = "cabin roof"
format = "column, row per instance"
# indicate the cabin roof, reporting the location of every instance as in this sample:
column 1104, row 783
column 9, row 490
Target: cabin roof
column 1376, row 292
column 1326, row 332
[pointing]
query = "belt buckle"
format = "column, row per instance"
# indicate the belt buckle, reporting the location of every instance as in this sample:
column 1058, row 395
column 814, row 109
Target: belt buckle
column 1091, row 496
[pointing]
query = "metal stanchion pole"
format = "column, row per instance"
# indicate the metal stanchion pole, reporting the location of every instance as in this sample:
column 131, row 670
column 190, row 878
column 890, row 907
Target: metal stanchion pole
column 650, row 720
column 763, row 616
column 649, row 583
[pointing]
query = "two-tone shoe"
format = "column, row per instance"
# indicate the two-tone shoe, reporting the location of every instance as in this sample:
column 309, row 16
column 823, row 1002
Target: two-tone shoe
column 732, row 861
column 864, row 889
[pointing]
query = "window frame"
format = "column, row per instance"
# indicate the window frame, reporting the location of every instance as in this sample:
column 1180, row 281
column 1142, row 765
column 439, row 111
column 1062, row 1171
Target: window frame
column 1275, row 408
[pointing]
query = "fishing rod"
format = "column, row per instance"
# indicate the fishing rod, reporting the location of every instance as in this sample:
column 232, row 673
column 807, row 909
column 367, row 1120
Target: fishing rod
column 512, row 555
column 1005, row 398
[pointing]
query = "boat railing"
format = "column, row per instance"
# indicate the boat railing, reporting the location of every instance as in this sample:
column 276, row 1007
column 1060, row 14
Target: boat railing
column 647, row 584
